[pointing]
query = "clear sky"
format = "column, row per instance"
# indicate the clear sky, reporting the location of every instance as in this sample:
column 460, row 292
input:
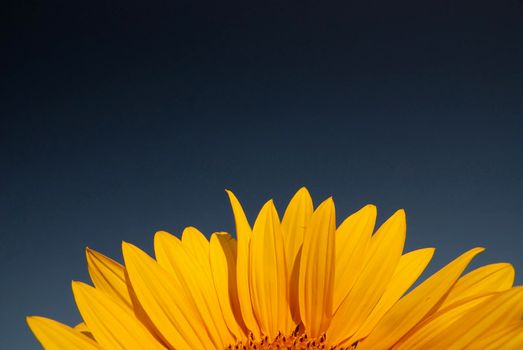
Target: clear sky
column 122, row 118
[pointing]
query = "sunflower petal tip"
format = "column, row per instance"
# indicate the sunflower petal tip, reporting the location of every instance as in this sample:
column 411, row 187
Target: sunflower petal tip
column 477, row 249
column 90, row 252
column 400, row 215
column 268, row 208
column 75, row 285
column 126, row 246
column 31, row 320
column 474, row 251
column 327, row 204
column 161, row 233
column 371, row 208
column 302, row 191
column 230, row 194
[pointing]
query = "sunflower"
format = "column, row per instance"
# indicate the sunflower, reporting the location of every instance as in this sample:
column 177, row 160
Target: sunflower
column 296, row 283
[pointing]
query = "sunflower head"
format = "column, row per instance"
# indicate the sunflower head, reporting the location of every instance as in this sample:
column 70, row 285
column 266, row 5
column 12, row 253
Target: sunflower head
column 296, row 282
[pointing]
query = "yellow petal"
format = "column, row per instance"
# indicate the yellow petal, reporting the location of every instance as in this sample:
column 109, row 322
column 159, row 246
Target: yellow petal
column 317, row 269
column 242, row 224
column 494, row 340
column 510, row 340
column 57, row 336
column 352, row 239
column 223, row 265
column 436, row 324
column 294, row 222
column 269, row 289
column 197, row 246
column 108, row 276
column 166, row 301
column 243, row 236
column 171, row 255
column 483, row 280
column 501, row 309
column 382, row 258
column 412, row 308
column 409, row 268
column 113, row 326
column 139, row 311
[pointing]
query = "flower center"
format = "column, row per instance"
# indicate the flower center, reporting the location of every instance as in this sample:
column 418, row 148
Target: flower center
column 293, row 341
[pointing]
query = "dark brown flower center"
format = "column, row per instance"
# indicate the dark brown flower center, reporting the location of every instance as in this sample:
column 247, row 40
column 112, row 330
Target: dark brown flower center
column 294, row 341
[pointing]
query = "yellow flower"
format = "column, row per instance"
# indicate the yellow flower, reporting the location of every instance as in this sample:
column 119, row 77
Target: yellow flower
column 298, row 283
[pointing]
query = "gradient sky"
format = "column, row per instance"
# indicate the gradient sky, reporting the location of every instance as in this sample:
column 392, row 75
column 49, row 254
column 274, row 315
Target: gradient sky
column 120, row 119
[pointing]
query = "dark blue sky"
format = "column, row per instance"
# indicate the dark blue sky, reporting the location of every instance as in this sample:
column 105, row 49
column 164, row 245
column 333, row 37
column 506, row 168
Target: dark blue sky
column 120, row 119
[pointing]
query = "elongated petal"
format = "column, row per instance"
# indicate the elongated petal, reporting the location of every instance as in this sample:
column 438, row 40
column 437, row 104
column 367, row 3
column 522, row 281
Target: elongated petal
column 409, row 310
column 197, row 246
column 269, row 289
column 294, row 222
column 172, row 256
column 499, row 310
column 505, row 338
column 484, row 280
column 511, row 340
column 113, row 326
column 139, row 311
column 436, row 324
column 108, row 276
column 166, row 301
column 409, row 268
column 503, row 309
column 352, row 240
column 223, row 265
column 57, row 336
column 317, row 270
column 381, row 261
column 243, row 236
